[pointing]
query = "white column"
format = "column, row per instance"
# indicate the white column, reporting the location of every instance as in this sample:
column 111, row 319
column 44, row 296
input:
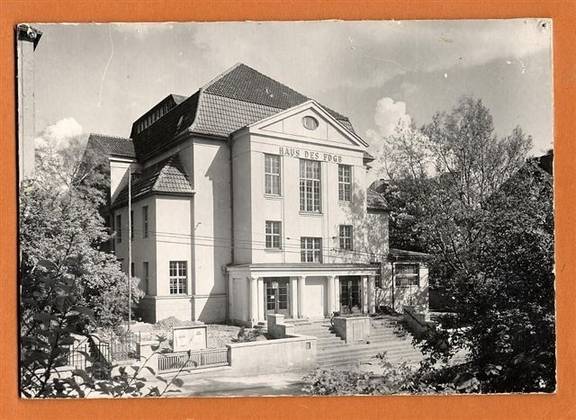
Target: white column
column 301, row 283
column 372, row 294
column 293, row 297
column 364, row 294
column 253, row 293
column 330, row 294
column 260, row 299
column 337, row 293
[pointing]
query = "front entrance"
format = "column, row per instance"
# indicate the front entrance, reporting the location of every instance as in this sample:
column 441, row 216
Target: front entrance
column 276, row 295
column 350, row 294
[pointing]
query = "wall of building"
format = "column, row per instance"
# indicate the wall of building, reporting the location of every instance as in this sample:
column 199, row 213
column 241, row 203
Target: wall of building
column 239, row 305
column 253, row 207
column 212, row 230
column 242, row 200
column 118, row 176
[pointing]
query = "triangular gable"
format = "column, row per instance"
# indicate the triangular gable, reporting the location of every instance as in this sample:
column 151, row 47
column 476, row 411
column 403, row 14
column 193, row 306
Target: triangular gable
column 290, row 123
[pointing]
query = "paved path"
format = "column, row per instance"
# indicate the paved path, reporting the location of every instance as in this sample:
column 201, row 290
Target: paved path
column 274, row 384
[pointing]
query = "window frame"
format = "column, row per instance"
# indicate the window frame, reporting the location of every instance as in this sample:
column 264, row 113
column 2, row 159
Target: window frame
column 310, row 186
column 343, row 238
column 178, row 282
column 344, row 183
column 311, row 254
column 146, row 275
column 272, row 179
column 145, row 224
column 406, row 279
column 273, row 235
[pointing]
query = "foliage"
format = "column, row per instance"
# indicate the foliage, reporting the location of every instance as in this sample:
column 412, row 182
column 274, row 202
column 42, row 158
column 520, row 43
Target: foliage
column 390, row 379
column 68, row 284
column 248, row 335
column 485, row 214
column 113, row 381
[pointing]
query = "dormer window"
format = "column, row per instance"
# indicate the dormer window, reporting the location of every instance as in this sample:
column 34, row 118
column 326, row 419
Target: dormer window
column 310, row 123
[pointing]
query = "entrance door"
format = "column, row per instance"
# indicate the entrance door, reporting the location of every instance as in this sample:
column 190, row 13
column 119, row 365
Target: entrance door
column 350, row 294
column 277, row 296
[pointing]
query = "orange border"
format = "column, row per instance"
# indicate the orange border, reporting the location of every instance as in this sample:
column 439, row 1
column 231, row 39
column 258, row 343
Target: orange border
column 559, row 406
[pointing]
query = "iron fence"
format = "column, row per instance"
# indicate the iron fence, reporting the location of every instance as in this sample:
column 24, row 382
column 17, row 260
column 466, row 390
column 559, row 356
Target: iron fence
column 193, row 359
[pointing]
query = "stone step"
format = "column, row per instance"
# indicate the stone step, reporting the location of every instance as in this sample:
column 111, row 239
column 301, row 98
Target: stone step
column 369, row 355
column 343, row 350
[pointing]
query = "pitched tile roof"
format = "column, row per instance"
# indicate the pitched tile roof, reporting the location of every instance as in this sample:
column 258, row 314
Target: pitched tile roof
column 238, row 97
column 111, row 145
column 166, row 176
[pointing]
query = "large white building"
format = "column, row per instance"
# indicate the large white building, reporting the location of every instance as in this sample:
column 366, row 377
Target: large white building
column 249, row 198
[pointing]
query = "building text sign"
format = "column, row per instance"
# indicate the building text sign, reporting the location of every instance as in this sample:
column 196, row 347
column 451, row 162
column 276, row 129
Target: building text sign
column 309, row 154
column 189, row 338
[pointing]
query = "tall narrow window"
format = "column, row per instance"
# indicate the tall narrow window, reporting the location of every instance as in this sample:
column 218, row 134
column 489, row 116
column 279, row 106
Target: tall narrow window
column 145, row 277
column 310, row 185
column 345, row 236
column 178, row 277
column 145, row 221
column 272, row 174
column 118, row 228
column 132, row 270
column 311, row 250
column 344, row 182
column 273, row 235
column 132, row 224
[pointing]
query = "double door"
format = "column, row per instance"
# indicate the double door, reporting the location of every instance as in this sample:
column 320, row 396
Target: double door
column 350, row 294
column 276, row 295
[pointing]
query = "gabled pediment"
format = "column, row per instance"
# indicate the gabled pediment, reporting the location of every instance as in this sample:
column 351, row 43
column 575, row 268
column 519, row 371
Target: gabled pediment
column 308, row 121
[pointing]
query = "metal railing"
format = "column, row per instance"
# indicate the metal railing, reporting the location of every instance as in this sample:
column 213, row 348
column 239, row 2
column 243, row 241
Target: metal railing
column 196, row 359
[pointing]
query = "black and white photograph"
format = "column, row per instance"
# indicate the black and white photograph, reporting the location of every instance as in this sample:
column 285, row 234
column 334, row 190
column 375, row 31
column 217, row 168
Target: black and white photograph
column 319, row 208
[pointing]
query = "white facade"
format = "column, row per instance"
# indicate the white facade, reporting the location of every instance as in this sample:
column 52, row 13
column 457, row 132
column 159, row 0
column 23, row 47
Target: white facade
column 230, row 268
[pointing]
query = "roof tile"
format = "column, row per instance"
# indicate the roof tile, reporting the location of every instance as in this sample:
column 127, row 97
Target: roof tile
column 239, row 97
column 111, row 145
column 167, row 176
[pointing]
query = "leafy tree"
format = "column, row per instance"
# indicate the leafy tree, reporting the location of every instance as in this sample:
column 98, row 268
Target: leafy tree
column 486, row 217
column 68, row 284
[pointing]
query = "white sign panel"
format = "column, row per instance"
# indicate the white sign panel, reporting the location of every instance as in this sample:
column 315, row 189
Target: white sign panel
column 189, row 338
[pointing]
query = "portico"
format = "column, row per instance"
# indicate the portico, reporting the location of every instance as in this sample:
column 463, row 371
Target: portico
column 312, row 291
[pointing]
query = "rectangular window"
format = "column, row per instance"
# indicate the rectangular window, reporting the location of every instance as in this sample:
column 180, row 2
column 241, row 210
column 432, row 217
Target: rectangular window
column 310, row 185
column 272, row 174
column 345, row 236
column 406, row 275
column 178, row 277
column 145, row 221
column 311, row 250
column 118, row 228
column 145, row 276
column 132, row 270
column 273, row 235
column 132, row 224
column 344, row 182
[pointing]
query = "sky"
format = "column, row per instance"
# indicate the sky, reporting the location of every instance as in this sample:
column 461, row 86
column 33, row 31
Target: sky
column 101, row 77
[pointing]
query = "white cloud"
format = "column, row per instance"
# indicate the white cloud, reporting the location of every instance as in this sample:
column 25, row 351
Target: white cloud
column 388, row 114
column 372, row 51
column 59, row 134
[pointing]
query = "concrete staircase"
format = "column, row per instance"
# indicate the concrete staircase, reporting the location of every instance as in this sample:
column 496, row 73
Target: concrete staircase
column 386, row 336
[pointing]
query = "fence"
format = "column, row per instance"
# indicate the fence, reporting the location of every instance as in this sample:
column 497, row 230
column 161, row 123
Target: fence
column 124, row 347
column 87, row 354
column 193, row 359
